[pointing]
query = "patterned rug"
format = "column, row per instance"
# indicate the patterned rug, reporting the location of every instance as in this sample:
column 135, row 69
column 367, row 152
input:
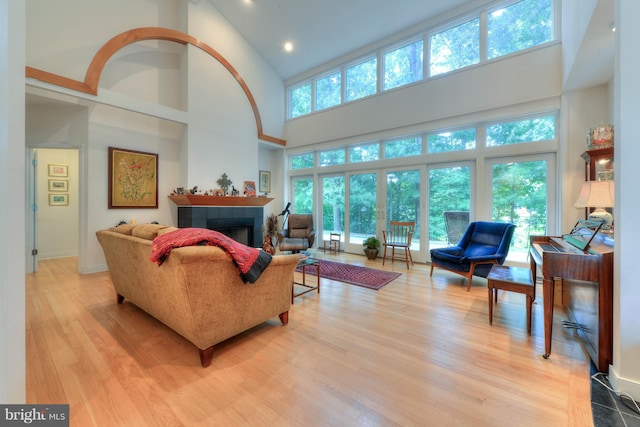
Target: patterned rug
column 353, row 274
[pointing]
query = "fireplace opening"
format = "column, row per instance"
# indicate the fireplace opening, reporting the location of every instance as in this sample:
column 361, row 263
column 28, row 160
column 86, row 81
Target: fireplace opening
column 239, row 229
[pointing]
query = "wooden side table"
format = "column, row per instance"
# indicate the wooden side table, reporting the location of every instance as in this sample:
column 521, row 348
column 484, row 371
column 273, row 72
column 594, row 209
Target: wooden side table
column 514, row 279
column 333, row 244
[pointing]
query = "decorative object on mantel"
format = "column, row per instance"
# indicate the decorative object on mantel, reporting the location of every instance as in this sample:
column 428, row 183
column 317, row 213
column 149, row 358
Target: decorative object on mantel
column 249, row 189
column 206, row 200
column 601, row 136
column 224, row 182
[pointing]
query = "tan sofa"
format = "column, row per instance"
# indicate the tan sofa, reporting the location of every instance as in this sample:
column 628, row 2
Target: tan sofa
column 197, row 291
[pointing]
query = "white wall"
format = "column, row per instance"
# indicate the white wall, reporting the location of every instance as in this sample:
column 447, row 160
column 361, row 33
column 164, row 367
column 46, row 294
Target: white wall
column 216, row 135
column 57, row 224
column 12, row 212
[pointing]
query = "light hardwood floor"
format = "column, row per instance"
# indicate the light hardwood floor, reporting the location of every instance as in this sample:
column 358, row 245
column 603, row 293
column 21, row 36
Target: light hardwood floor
column 418, row 352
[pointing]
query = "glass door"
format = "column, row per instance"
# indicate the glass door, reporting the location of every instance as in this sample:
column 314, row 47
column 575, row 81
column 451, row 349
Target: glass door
column 363, row 211
column 403, row 200
column 449, row 192
column 333, row 207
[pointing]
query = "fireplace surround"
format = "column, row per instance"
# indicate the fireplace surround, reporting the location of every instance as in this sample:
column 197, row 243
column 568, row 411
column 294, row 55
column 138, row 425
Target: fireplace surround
column 243, row 224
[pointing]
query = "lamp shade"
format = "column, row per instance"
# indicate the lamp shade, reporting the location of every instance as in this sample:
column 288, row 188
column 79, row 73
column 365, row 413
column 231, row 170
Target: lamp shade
column 596, row 194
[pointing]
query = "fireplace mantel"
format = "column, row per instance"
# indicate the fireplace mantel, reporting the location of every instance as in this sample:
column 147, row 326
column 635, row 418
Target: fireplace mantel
column 197, row 200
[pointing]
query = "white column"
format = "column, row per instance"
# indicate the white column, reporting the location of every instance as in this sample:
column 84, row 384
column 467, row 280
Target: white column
column 625, row 372
column 12, row 202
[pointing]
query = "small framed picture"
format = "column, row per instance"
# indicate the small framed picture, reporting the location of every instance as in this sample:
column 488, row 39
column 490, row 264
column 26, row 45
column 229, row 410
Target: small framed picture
column 58, row 199
column 58, row 185
column 265, row 182
column 249, row 189
column 58, row 170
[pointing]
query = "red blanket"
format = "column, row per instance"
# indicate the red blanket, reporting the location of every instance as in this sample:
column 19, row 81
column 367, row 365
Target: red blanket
column 250, row 262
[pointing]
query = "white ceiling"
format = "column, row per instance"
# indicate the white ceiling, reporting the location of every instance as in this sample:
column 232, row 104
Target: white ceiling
column 323, row 30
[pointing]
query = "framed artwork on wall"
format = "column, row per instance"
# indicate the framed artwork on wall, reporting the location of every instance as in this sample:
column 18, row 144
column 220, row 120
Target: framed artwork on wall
column 58, row 185
column 265, row 182
column 133, row 179
column 58, row 199
column 58, row 170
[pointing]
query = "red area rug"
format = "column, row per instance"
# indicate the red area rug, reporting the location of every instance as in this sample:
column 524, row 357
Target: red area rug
column 353, row 274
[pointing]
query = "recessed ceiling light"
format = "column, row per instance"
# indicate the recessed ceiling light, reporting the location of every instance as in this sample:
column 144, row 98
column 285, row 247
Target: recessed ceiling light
column 288, row 46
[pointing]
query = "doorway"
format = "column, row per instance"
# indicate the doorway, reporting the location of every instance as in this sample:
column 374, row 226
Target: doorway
column 53, row 196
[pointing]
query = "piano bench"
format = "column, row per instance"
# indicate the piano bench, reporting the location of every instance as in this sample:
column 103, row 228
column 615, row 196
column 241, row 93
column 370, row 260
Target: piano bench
column 514, row 279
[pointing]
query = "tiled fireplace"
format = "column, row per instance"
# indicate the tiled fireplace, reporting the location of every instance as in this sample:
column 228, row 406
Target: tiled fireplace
column 243, row 224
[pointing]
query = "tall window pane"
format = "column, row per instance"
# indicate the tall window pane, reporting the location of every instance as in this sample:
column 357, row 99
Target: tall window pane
column 364, row 153
column 455, row 48
column 449, row 190
column 332, row 157
column 452, row 141
column 362, row 207
column 519, row 196
column 403, row 200
column 362, row 79
column 403, row 148
column 328, row 90
column 302, row 161
column 300, row 100
column 519, row 26
column 333, row 195
column 529, row 130
column 403, row 65
column 302, row 195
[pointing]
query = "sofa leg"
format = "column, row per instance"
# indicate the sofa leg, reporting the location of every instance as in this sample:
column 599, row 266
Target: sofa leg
column 284, row 317
column 120, row 299
column 205, row 356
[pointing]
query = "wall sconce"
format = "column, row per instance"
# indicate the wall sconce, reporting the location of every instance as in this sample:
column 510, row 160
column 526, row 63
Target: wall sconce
column 599, row 195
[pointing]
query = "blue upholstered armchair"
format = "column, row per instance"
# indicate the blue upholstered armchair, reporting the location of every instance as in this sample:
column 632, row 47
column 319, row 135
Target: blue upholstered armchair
column 483, row 244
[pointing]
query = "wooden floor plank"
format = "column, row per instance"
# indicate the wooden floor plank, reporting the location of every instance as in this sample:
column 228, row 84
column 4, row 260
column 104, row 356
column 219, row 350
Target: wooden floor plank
column 420, row 351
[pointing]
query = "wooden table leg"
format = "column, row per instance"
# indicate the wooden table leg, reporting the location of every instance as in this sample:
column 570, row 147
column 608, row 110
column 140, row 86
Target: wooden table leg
column 548, row 290
column 490, row 305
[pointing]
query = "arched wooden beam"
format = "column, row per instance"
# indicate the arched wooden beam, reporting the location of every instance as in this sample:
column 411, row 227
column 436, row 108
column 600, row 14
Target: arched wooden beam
column 92, row 77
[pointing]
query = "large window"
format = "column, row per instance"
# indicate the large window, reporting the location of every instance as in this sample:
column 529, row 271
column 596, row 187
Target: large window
column 332, row 157
column 362, row 79
column 519, row 26
column 403, row 66
column 333, row 206
column 300, row 100
column 328, row 91
column 362, row 207
column 516, row 132
column 364, row 153
column 455, row 48
column 302, row 161
column 493, row 31
column 403, row 148
column 442, row 142
column 449, row 190
column 302, row 195
column 520, row 195
column 403, row 200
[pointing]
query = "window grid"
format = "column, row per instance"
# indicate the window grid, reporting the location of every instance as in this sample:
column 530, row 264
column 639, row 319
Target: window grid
column 379, row 55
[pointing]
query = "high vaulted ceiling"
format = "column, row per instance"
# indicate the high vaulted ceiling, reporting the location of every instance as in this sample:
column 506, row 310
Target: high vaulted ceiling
column 323, row 30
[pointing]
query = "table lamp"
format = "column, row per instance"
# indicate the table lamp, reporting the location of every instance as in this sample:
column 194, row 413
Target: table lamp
column 599, row 195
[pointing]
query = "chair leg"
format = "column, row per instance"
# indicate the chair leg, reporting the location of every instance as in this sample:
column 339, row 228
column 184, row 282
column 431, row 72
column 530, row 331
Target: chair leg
column 469, row 279
column 384, row 255
column 432, row 265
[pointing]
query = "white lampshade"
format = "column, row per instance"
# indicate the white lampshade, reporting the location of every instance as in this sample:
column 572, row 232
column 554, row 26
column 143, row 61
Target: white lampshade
column 599, row 195
column 596, row 194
